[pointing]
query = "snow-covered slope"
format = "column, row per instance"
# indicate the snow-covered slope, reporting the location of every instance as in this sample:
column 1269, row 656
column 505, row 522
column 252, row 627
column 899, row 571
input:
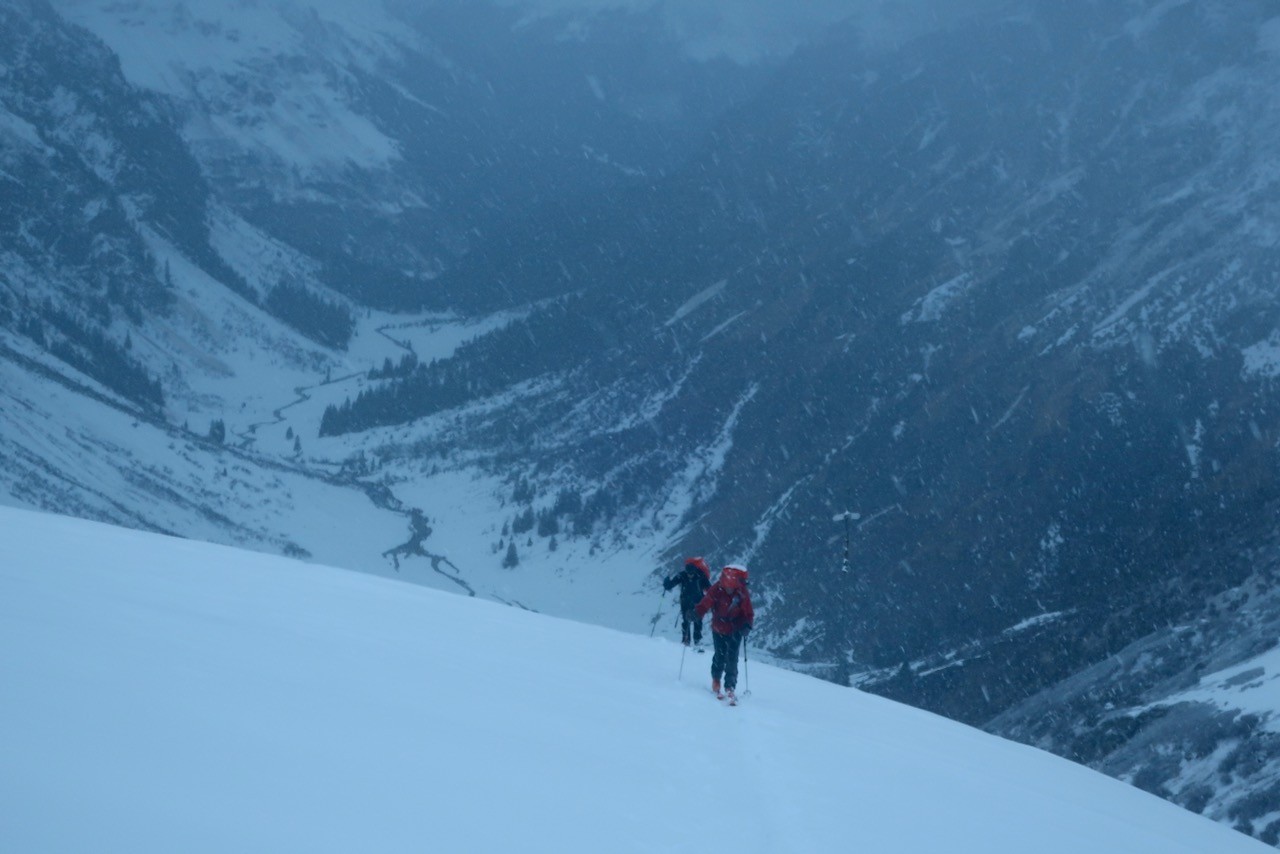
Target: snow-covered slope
column 108, row 462
column 304, row 117
column 163, row 695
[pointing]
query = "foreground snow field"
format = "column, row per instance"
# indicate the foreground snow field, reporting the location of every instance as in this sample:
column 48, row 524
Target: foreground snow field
column 167, row 695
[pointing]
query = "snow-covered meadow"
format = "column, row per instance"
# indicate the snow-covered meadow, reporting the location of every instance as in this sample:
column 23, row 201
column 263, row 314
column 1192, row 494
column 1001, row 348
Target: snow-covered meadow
column 160, row 694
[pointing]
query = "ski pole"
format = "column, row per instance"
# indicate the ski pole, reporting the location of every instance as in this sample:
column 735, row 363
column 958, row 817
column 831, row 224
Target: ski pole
column 653, row 624
column 746, row 671
column 683, row 649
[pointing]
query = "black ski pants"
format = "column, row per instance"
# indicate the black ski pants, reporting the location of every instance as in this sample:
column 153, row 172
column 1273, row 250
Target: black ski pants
column 725, row 658
column 689, row 619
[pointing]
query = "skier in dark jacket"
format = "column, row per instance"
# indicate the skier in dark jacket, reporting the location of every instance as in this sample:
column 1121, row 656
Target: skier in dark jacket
column 694, row 580
column 731, row 619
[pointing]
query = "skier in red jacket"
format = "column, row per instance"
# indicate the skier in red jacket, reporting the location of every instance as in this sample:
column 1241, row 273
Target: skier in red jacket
column 731, row 618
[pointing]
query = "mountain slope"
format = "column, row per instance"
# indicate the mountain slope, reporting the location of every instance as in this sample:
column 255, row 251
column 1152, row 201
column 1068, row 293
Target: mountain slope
column 385, row 140
column 1023, row 322
column 165, row 693
column 1187, row 712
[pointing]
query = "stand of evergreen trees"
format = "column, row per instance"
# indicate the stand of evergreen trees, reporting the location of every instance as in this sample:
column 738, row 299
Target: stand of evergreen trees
column 90, row 351
column 395, row 370
column 570, row 515
column 550, row 340
column 321, row 320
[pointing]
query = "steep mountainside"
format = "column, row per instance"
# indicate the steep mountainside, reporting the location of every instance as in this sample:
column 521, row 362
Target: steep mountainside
column 1188, row 712
column 1024, row 322
column 385, row 140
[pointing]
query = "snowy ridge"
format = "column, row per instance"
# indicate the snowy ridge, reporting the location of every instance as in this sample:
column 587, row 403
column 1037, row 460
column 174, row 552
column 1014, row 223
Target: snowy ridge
column 194, row 53
column 177, row 695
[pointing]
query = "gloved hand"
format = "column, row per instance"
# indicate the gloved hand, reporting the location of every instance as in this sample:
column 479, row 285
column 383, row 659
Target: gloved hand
column 746, row 630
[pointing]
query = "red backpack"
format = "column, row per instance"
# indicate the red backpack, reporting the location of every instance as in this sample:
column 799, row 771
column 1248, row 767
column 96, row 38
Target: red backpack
column 733, row 577
column 729, row 601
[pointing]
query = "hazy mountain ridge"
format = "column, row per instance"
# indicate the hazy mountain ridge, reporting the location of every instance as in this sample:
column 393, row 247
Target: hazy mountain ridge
column 436, row 124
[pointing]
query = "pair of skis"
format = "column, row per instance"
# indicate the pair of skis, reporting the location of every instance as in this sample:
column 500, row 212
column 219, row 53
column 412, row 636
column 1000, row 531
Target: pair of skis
column 726, row 695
